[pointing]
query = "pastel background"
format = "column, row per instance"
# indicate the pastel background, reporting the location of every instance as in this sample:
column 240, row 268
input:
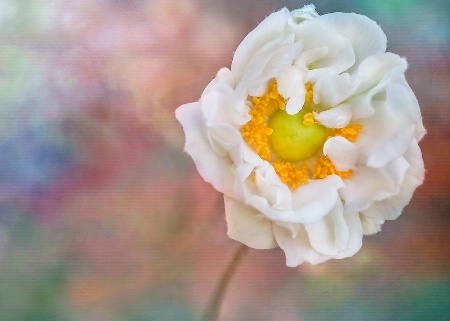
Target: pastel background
column 104, row 217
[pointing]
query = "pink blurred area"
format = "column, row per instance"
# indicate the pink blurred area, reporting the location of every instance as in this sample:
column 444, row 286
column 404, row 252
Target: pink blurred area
column 120, row 209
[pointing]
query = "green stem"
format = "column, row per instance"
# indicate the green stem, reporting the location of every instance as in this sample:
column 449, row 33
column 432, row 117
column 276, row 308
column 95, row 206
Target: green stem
column 212, row 309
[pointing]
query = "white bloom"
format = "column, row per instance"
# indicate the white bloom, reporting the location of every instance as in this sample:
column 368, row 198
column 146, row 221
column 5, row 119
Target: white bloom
column 312, row 135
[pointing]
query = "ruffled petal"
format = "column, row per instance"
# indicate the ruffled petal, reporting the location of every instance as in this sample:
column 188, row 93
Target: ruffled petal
column 297, row 249
column 330, row 234
column 391, row 208
column 365, row 36
column 216, row 170
column 367, row 184
column 370, row 225
column 332, row 89
column 387, row 134
column 221, row 106
column 341, row 237
column 271, row 28
column 247, row 226
column 266, row 64
column 271, row 189
column 336, row 54
column 306, row 204
column 355, row 235
column 342, row 153
column 307, row 12
column 371, row 77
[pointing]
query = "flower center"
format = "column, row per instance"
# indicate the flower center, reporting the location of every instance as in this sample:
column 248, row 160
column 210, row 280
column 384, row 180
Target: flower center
column 292, row 140
column 292, row 144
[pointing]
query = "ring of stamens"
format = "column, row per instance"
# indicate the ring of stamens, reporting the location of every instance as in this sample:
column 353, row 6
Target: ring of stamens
column 256, row 133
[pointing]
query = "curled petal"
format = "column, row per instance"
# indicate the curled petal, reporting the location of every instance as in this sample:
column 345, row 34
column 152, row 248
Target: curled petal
column 304, row 205
column 370, row 79
column 291, row 85
column 336, row 117
column 297, row 249
column 367, row 184
column 247, row 226
column 330, row 234
column 391, row 207
column 332, row 89
column 388, row 133
column 216, row 170
column 307, row 12
column 365, row 36
column 337, row 53
column 355, row 235
column 370, row 225
column 342, row 153
column 272, row 27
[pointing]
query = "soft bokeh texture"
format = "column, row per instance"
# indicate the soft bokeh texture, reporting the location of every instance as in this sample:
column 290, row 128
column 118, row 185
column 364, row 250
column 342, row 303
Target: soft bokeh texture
column 102, row 215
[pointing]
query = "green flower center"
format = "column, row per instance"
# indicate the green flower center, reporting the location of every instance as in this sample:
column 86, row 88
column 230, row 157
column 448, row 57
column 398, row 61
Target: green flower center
column 292, row 140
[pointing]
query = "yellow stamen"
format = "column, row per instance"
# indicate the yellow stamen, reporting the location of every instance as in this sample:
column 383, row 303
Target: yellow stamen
column 256, row 131
column 309, row 92
column 324, row 167
column 308, row 119
column 350, row 132
column 290, row 174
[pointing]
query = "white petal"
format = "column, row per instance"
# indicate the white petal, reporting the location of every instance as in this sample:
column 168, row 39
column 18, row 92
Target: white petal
column 297, row 249
column 307, row 12
column 355, row 236
column 391, row 208
column 276, row 194
column 364, row 34
column 342, row 153
column 378, row 70
column 336, row 117
column 330, row 234
column 413, row 109
column 272, row 27
column 309, row 55
column 372, row 76
column 336, row 53
column 247, row 226
column 367, row 184
column 370, row 225
column 216, row 170
column 306, row 204
column 387, row 134
column 267, row 63
column 332, row 89
column 291, row 85
column 220, row 105
column 395, row 145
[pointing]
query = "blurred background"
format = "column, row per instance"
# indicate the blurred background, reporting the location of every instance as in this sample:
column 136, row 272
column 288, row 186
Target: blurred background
column 104, row 217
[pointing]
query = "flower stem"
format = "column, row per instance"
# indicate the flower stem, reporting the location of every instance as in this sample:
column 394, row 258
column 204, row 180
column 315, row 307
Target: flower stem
column 212, row 309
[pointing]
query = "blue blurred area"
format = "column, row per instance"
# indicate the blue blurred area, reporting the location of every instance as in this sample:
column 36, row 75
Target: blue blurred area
column 33, row 159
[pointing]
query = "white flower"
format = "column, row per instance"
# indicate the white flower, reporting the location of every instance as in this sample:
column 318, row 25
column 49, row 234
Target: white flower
column 312, row 135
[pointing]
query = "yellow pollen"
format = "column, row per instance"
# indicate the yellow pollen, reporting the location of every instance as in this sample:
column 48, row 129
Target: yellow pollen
column 309, row 92
column 350, row 132
column 256, row 133
column 308, row 119
column 324, row 167
column 290, row 174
